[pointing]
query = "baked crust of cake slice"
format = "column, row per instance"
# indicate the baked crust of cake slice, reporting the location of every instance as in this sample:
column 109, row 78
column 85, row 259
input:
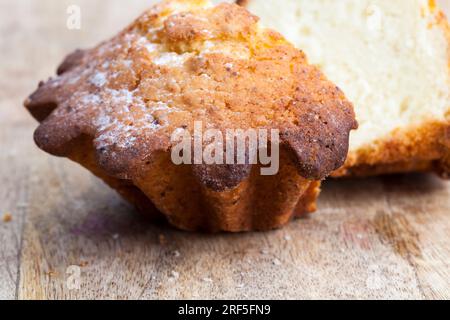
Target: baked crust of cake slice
column 113, row 109
column 403, row 131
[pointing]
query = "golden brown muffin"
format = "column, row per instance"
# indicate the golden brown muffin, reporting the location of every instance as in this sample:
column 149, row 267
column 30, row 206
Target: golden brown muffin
column 114, row 108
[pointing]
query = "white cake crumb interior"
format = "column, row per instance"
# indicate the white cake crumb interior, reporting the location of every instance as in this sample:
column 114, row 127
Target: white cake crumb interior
column 389, row 57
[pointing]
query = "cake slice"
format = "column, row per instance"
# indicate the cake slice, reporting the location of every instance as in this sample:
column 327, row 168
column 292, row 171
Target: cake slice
column 391, row 58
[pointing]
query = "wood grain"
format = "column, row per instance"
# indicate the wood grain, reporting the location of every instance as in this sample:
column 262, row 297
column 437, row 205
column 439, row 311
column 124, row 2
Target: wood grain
column 372, row 238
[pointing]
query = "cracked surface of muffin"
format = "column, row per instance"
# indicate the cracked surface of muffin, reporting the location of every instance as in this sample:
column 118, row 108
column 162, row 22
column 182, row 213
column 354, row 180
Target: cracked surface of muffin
column 114, row 108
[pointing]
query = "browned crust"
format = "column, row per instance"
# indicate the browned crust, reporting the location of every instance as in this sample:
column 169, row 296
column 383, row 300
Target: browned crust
column 242, row 2
column 443, row 166
column 312, row 114
column 253, row 79
column 308, row 203
column 422, row 148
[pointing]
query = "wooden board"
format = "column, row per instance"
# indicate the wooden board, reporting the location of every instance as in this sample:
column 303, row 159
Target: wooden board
column 374, row 238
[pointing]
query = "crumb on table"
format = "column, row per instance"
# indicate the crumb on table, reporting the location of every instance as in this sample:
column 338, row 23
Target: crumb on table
column 162, row 239
column 51, row 273
column 7, row 217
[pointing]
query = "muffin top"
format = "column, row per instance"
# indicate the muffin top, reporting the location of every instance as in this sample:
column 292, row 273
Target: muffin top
column 185, row 61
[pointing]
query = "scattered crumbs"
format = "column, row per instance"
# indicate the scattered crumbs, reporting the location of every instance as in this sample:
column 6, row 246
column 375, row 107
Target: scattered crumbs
column 7, row 217
column 208, row 280
column 162, row 239
column 276, row 262
column 176, row 253
column 83, row 264
column 287, row 237
column 51, row 273
column 265, row 251
column 115, row 236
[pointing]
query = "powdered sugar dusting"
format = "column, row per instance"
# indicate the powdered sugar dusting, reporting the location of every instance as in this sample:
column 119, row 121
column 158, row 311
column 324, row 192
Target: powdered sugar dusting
column 170, row 59
column 109, row 90
column 73, row 80
column 90, row 99
column 151, row 47
column 128, row 118
column 121, row 96
column 127, row 63
column 161, row 106
column 98, row 79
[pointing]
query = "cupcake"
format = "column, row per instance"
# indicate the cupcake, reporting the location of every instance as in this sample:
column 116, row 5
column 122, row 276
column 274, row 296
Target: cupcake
column 198, row 114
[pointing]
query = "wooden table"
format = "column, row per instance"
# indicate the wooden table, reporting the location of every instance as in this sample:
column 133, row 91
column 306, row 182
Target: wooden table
column 375, row 238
